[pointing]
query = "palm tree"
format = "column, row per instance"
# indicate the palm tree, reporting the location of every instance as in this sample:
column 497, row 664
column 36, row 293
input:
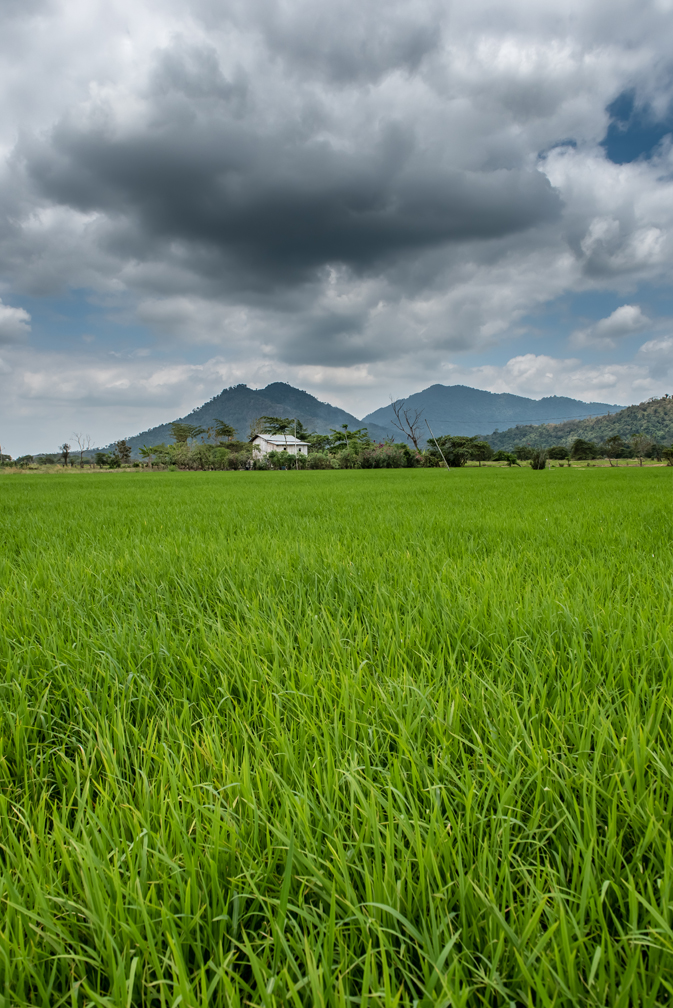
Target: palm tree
column 277, row 425
column 147, row 453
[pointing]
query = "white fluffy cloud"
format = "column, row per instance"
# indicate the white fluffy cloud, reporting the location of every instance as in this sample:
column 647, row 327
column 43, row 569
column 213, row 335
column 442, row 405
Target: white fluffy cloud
column 624, row 321
column 50, row 396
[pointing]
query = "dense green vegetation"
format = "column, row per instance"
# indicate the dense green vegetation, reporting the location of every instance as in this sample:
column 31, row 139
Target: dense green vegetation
column 337, row 738
column 643, row 431
column 653, row 419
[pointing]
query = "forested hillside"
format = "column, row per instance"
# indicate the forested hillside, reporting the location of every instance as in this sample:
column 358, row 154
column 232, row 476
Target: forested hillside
column 240, row 406
column 654, row 418
column 461, row 410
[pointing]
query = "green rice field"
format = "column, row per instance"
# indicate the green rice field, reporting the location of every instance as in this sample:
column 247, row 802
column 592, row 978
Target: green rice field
column 346, row 738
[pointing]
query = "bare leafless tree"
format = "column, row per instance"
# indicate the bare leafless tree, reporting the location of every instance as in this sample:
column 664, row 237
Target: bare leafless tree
column 408, row 421
column 256, row 427
column 83, row 443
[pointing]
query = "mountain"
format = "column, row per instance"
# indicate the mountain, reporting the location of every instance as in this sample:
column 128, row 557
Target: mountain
column 240, row 406
column 450, row 409
column 459, row 409
column 654, row 418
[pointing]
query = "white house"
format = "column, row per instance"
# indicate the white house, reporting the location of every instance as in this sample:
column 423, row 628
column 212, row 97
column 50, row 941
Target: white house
column 265, row 443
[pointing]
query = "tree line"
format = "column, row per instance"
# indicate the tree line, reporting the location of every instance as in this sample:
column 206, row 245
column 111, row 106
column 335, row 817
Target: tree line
column 218, row 447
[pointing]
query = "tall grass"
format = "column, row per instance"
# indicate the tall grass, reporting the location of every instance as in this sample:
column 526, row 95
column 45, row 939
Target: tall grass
column 385, row 738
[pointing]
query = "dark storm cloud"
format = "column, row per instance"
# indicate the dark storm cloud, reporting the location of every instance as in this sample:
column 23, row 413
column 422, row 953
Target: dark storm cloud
column 285, row 198
column 346, row 192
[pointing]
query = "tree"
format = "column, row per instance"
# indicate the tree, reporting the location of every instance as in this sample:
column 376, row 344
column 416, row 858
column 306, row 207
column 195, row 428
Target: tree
column 300, row 431
column 538, row 459
column 319, row 442
column 558, row 452
column 256, row 427
column 481, row 451
column 277, row 425
column 24, row 461
column 407, row 421
column 83, row 443
column 345, row 438
column 640, row 443
column 582, row 450
column 614, row 447
column 162, row 453
column 148, row 453
column 224, row 430
column 667, row 454
column 456, row 449
column 524, row 453
column 65, row 452
column 182, row 432
column 123, row 452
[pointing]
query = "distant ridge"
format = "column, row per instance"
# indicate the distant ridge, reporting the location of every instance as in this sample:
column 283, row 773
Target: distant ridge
column 459, row 409
column 449, row 409
column 240, row 406
column 653, row 418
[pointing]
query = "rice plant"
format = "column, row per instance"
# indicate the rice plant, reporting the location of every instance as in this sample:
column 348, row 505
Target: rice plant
column 373, row 738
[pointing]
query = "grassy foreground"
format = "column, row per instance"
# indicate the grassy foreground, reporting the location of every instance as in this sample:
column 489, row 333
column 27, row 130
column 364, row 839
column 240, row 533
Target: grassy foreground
column 366, row 738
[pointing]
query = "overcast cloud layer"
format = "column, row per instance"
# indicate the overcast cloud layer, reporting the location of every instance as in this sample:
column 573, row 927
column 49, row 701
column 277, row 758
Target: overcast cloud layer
column 361, row 198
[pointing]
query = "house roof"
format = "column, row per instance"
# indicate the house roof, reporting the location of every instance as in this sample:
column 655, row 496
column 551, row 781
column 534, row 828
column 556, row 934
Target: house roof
column 281, row 439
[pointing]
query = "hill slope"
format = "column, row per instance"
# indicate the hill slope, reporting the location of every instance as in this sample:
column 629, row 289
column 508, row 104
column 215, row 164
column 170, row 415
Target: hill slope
column 459, row 409
column 653, row 418
column 240, row 406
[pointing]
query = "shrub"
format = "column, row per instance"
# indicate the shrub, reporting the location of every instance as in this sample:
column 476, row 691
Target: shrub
column 202, row 457
column 386, row 457
column 508, row 457
column 348, row 458
column 238, row 460
column 181, row 455
column 538, row 459
column 220, row 457
column 277, row 460
column 318, row 460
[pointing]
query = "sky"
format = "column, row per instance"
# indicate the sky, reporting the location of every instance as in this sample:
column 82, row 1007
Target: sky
column 361, row 198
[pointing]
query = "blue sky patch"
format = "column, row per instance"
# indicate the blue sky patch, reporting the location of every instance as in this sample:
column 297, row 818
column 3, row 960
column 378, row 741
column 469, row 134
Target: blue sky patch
column 634, row 131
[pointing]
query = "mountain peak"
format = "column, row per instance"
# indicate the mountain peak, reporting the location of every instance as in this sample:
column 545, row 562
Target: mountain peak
column 459, row 409
column 450, row 409
column 240, row 406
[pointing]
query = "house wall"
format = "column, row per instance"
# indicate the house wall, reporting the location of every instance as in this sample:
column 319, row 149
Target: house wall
column 263, row 448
